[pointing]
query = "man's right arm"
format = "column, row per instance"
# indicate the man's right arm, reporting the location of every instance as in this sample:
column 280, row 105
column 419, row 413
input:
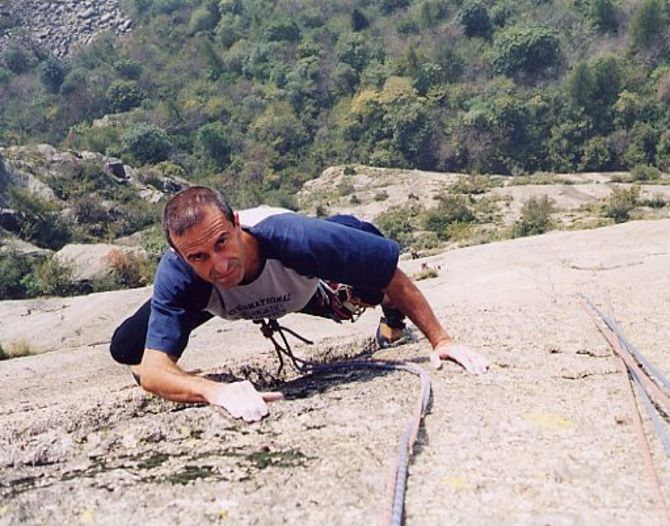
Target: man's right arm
column 160, row 375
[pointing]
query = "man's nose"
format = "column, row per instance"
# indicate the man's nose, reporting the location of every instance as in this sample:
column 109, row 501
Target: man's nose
column 221, row 264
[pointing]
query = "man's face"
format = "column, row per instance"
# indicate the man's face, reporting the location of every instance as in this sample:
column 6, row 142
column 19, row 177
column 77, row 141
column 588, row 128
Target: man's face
column 214, row 249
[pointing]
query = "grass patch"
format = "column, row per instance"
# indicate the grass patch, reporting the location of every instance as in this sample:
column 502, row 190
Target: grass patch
column 17, row 349
column 538, row 179
column 426, row 272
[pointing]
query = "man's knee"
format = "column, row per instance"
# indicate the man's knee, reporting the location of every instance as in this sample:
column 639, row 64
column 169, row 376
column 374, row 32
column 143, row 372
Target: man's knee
column 128, row 340
column 125, row 349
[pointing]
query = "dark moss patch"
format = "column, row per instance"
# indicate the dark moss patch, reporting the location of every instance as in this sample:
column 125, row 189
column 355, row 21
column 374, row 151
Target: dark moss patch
column 153, row 461
column 282, row 459
column 189, row 473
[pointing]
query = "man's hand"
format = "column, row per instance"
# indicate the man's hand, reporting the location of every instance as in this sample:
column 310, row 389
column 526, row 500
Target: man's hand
column 242, row 400
column 470, row 360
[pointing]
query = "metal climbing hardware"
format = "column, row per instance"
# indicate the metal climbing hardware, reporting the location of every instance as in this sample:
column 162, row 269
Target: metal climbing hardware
column 339, row 298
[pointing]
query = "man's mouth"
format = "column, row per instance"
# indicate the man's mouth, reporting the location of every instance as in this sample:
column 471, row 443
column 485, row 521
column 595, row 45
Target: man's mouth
column 220, row 278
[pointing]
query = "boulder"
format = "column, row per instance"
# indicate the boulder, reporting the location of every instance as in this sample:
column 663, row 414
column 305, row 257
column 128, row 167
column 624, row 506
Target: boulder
column 91, row 262
column 14, row 244
column 10, row 220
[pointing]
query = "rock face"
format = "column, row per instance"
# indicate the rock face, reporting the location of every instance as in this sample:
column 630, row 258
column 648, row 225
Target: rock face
column 92, row 262
column 60, row 26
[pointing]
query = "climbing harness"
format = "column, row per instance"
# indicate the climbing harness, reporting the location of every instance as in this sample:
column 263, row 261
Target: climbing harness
column 395, row 498
column 340, row 300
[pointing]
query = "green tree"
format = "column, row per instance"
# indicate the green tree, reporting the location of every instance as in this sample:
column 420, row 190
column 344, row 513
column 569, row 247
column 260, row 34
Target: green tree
column 648, row 25
column 644, row 137
column 580, row 85
column 597, row 155
column 146, row 143
column 213, row 145
column 525, row 49
column 604, row 15
column 390, row 6
column 124, row 95
column 52, row 74
column 474, row 17
column 17, row 59
column 428, row 76
column 282, row 29
column 204, row 18
column 128, row 68
column 354, row 49
column 359, row 21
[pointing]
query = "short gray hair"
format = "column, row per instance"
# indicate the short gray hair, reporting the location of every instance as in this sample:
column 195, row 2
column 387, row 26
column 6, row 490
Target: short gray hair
column 187, row 208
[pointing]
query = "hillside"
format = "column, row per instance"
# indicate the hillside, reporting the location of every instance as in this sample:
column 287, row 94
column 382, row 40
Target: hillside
column 545, row 437
column 258, row 97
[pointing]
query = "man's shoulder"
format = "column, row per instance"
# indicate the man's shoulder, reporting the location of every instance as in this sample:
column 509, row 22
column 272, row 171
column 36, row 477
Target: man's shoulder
column 173, row 270
column 253, row 216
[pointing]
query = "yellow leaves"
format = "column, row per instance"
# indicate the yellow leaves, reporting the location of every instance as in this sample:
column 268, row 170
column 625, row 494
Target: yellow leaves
column 395, row 88
column 362, row 99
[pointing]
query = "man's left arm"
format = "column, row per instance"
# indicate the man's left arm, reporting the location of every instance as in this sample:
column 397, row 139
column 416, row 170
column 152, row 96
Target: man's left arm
column 405, row 296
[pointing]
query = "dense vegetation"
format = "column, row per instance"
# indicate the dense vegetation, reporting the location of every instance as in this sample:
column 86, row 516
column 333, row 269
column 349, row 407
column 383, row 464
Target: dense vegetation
column 257, row 96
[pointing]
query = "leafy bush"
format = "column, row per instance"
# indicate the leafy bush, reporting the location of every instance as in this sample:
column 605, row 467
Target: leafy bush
column 648, row 24
column 451, row 209
column 621, row 203
column 345, row 187
column 471, row 185
column 41, row 222
column 13, row 268
column 146, row 143
column 282, row 29
column 597, row 155
column 381, row 195
column 17, row 59
column 51, row 277
column 204, row 18
column 535, row 217
column 525, row 49
column 52, row 74
column 399, row 223
column 129, row 269
column 124, row 95
column 655, row 201
column 604, row 15
column 359, row 21
column 474, row 17
column 213, row 145
column 128, row 68
column 645, row 172
column 153, row 242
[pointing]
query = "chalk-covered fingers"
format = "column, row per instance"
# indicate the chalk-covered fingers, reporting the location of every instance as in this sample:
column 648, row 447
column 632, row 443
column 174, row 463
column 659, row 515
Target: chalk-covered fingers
column 470, row 360
column 242, row 400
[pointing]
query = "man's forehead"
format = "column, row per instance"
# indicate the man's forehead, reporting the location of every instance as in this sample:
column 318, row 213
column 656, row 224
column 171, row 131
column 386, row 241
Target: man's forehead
column 212, row 223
